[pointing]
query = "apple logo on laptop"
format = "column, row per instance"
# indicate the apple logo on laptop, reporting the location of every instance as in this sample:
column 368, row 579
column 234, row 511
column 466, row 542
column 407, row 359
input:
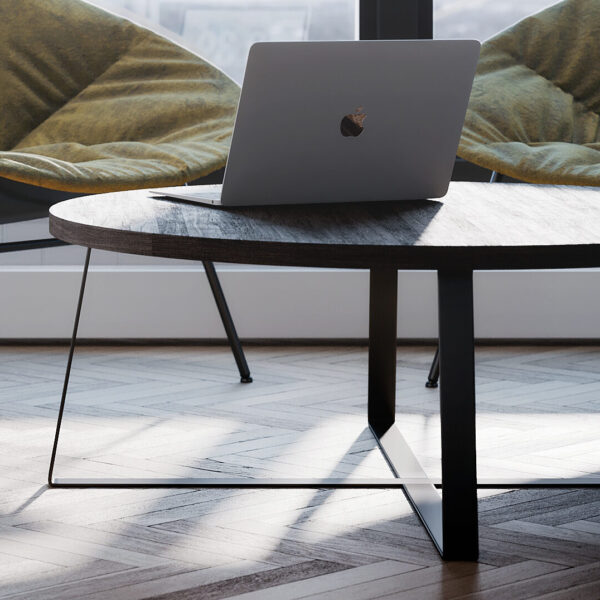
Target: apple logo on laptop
column 352, row 124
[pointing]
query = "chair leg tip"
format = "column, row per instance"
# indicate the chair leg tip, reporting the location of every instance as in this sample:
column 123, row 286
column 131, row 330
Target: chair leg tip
column 431, row 384
column 247, row 379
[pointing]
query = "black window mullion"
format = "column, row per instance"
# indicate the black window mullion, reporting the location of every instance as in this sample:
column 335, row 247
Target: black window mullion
column 395, row 19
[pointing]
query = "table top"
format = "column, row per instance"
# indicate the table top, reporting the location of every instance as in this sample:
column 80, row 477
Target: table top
column 475, row 226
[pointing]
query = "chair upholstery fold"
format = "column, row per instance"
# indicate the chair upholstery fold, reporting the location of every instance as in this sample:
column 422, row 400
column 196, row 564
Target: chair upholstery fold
column 93, row 103
column 534, row 112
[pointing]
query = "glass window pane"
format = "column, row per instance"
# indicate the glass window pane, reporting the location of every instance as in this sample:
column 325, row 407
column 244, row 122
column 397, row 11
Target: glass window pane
column 480, row 19
column 222, row 31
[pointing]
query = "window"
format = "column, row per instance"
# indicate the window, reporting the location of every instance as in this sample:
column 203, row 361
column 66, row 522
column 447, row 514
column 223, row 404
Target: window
column 480, row 19
column 222, row 31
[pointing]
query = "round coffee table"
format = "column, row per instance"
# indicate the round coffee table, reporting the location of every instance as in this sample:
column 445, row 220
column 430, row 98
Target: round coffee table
column 475, row 226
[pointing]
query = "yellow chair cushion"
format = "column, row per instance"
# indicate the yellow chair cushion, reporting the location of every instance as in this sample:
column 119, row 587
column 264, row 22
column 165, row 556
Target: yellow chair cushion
column 93, row 103
column 534, row 111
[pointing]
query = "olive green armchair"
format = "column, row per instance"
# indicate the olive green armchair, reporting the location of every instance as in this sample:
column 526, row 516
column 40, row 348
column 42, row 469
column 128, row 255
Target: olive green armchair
column 534, row 112
column 92, row 103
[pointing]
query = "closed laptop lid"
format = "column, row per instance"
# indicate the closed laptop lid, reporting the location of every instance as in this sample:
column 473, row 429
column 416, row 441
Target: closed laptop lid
column 349, row 121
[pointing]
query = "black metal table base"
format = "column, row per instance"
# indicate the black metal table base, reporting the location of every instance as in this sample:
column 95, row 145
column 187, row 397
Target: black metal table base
column 450, row 517
column 227, row 482
column 352, row 483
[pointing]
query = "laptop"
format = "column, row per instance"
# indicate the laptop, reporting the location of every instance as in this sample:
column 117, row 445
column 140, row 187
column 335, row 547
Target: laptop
column 356, row 121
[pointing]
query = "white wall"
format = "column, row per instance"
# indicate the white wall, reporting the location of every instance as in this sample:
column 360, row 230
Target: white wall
column 175, row 302
column 140, row 297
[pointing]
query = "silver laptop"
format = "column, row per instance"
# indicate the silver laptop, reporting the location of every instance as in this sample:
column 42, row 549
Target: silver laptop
column 345, row 122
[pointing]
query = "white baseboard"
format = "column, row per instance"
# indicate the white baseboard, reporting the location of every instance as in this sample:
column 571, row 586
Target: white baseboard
column 38, row 302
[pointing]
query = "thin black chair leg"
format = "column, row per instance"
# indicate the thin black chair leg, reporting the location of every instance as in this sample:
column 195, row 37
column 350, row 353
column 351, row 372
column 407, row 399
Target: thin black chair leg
column 69, row 363
column 434, row 371
column 232, row 336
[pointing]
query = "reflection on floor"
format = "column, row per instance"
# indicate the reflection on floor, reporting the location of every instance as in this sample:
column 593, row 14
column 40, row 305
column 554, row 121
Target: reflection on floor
column 180, row 411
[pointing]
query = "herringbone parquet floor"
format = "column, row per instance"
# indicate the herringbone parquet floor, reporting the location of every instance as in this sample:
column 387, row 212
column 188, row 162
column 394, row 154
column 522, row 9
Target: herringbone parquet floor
column 179, row 411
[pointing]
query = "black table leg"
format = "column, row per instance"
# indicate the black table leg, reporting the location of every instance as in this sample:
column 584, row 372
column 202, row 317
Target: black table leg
column 457, row 413
column 419, row 490
column 383, row 310
column 451, row 520
column 63, row 398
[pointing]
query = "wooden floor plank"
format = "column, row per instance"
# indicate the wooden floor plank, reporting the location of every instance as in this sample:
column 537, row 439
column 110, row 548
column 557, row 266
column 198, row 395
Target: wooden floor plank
column 407, row 582
column 262, row 581
column 537, row 587
column 459, row 587
column 173, row 584
column 319, row 586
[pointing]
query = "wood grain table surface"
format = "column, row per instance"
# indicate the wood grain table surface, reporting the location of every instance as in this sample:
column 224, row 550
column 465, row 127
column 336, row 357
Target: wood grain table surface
column 475, row 226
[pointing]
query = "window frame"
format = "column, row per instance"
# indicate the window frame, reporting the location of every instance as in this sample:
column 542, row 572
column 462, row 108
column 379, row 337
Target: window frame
column 395, row 19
